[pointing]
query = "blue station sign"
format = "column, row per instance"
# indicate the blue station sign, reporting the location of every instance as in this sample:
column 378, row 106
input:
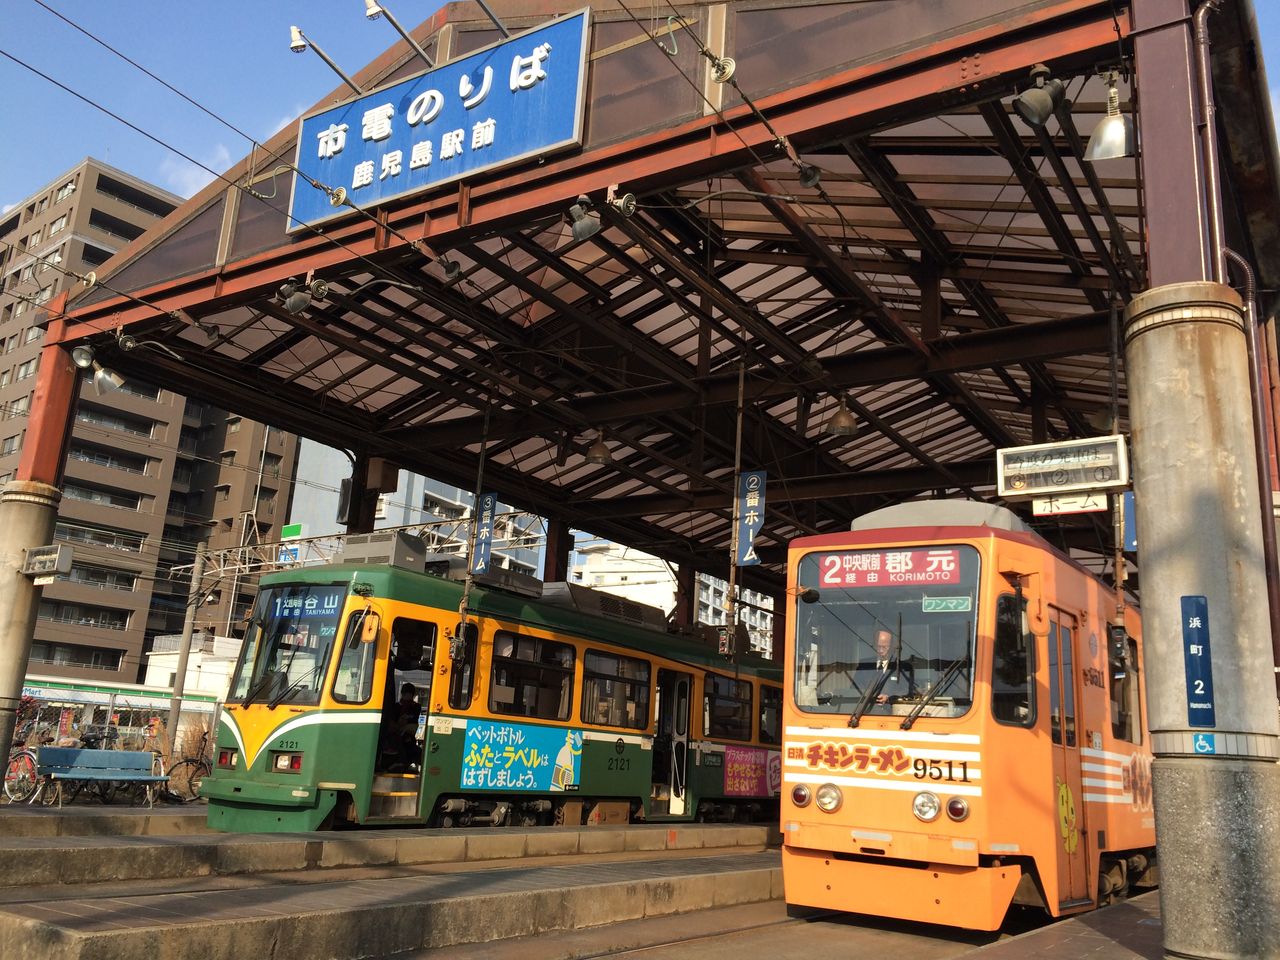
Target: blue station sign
column 1195, row 654
column 520, row 98
column 486, row 510
column 750, row 518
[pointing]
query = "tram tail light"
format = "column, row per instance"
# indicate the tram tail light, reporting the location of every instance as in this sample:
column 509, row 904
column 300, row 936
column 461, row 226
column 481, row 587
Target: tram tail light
column 800, row 795
column 957, row 808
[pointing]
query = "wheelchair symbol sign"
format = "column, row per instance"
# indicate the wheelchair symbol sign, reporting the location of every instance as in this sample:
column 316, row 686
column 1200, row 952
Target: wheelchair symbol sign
column 1205, row 743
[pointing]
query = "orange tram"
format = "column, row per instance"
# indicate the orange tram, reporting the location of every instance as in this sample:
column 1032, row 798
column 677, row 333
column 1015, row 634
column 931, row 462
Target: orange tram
column 964, row 723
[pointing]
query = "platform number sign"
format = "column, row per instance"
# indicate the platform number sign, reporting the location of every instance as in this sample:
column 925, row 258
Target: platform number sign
column 1195, row 653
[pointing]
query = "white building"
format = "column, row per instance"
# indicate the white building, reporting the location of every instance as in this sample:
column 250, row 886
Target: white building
column 637, row 576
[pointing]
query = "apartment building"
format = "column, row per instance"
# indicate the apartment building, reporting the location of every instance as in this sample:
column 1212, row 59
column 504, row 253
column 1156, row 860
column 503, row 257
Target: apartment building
column 148, row 475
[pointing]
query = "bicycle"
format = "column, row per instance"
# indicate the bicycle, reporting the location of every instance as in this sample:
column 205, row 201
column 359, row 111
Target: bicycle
column 21, row 781
column 185, row 775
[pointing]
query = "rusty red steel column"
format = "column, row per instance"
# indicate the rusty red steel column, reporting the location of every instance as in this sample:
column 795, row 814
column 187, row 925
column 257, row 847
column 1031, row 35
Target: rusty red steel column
column 555, row 559
column 29, row 509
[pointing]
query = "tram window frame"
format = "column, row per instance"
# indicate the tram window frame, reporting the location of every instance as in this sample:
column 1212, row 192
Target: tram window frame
column 1023, row 642
column 714, row 723
column 601, row 688
column 528, row 665
column 770, row 711
column 366, row 655
column 462, row 674
column 1123, row 691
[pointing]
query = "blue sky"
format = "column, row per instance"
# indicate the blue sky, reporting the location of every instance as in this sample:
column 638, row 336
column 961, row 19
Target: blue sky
column 232, row 56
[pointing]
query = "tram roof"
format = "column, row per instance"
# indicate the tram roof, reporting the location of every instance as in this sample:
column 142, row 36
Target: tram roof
column 950, row 274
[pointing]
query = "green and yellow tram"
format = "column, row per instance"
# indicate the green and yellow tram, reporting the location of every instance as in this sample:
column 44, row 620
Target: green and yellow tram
column 566, row 708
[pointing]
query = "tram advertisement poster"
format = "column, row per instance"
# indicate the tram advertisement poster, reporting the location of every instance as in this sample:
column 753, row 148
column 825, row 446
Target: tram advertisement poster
column 746, row 772
column 516, row 756
column 890, row 568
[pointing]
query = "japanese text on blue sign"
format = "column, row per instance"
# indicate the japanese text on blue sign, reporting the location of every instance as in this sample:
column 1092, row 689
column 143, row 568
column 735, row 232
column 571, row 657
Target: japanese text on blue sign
column 750, row 515
column 1195, row 653
column 520, row 98
column 485, row 512
column 517, row 756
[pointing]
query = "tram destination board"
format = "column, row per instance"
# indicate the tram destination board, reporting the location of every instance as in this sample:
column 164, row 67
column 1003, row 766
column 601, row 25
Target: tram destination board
column 1069, row 466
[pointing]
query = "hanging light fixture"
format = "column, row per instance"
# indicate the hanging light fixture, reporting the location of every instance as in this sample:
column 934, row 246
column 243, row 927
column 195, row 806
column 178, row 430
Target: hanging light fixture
column 1036, row 104
column 452, row 269
column 598, row 453
column 1113, row 136
column 842, row 422
column 583, row 225
column 104, row 380
column 374, row 11
column 296, row 297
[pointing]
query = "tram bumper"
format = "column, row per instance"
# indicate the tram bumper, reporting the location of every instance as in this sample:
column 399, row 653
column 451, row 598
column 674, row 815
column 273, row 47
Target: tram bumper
column 951, row 888
column 242, row 805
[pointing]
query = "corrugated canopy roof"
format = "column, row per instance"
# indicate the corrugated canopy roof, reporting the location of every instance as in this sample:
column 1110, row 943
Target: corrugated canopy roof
column 950, row 275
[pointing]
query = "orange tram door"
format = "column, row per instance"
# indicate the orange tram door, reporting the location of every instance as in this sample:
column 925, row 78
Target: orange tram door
column 963, row 728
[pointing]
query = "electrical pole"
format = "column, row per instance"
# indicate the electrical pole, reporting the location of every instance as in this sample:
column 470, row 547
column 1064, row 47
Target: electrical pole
column 194, row 597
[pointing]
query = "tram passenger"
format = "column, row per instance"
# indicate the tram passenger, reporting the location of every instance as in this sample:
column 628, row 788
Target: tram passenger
column 400, row 747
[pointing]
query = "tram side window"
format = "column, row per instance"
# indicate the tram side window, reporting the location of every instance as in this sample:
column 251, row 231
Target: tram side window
column 1125, row 719
column 462, row 651
column 770, row 714
column 1013, row 669
column 726, row 708
column 615, row 690
column 531, row 677
column 353, row 682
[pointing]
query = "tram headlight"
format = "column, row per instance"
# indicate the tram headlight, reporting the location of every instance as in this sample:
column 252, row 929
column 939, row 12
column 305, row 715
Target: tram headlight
column 926, row 806
column 227, row 758
column 829, row 798
column 287, row 762
column 800, row 795
column 957, row 808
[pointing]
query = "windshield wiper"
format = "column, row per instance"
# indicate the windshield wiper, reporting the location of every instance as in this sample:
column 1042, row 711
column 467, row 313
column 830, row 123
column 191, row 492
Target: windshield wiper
column 283, row 695
column 952, row 671
column 869, row 697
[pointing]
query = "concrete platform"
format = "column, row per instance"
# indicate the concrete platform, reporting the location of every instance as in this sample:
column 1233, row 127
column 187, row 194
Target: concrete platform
column 95, row 821
column 353, row 918
column 29, row 861
column 1129, row 930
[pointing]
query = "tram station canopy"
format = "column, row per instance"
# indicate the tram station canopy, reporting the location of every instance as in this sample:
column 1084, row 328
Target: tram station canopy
column 857, row 215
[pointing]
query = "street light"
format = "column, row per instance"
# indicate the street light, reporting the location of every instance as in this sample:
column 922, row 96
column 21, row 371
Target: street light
column 374, row 10
column 299, row 41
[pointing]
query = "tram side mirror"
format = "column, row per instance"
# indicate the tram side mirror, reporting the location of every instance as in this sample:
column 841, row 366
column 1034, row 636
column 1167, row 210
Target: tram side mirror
column 369, row 630
column 809, row 595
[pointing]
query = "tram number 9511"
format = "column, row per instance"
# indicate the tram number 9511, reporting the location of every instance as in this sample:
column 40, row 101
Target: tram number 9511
column 949, row 770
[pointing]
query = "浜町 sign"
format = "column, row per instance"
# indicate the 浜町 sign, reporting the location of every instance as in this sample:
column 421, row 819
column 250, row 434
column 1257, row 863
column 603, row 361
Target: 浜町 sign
column 520, row 98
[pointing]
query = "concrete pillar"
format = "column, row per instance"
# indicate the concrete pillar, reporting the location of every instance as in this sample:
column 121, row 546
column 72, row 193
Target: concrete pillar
column 686, row 611
column 1217, row 813
column 28, row 510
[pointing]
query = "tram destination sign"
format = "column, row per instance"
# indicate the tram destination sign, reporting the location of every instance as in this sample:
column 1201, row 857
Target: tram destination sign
column 519, row 99
column 1069, row 466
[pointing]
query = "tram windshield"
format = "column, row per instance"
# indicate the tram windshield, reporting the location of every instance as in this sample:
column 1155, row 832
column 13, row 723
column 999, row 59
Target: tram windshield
column 286, row 647
column 887, row 632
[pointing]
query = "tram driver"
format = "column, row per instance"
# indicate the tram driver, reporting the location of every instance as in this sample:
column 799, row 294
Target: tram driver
column 899, row 674
column 400, row 748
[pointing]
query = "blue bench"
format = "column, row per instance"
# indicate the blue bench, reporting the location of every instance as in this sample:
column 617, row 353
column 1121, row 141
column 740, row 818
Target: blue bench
column 69, row 764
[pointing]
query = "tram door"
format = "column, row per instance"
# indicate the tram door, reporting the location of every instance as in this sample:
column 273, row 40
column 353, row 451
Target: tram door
column 671, row 745
column 1068, row 801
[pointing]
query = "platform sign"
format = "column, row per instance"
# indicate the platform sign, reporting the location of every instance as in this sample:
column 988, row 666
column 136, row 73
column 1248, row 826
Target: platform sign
column 750, row 515
column 1195, row 654
column 486, row 509
column 518, row 99
column 1071, row 466
column 1075, row 503
column 43, row 564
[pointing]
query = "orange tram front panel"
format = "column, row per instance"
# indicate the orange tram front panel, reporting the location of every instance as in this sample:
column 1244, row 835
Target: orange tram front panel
column 963, row 728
